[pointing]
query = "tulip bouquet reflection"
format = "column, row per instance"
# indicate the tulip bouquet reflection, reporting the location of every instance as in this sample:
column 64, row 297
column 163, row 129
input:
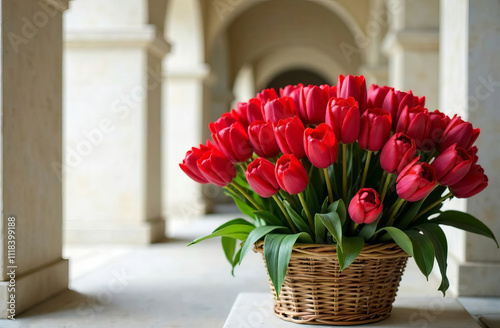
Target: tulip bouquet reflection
column 340, row 165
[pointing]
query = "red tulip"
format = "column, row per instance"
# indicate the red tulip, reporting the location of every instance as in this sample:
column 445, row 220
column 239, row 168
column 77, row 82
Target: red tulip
column 289, row 89
column 261, row 135
column 353, row 86
column 460, row 132
column 291, row 174
column 398, row 152
column 331, row 91
column 365, row 206
column 395, row 101
column 438, row 122
column 267, row 95
column 261, row 177
column 375, row 129
column 313, row 104
column 452, row 165
column 233, row 142
column 414, row 122
column 321, row 146
column 216, row 168
column 472, row 151
column 294, row 92
column 342, row 115
column 290, row 136
column 376, row 96
column 251, row 111
column 473, row 183
column 277, row 109
column 189, row 163
column 223, row 122
column 416, row 181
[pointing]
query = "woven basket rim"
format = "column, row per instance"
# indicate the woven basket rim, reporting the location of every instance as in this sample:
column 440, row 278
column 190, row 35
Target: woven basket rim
column 381, row 250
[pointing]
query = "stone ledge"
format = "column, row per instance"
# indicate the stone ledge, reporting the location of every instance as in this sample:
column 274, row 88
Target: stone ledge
column 251, row 310
column 35, row 287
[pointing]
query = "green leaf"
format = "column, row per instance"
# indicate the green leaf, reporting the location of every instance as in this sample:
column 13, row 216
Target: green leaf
column 324, row 207
column 332, row 222
column 410, row 214
column 277, row 252
column 269, row 218
column 339, row 208
column 233, row 222
column 438, row 239
column 312, row 198
column 351, row 247
column 423, row 251
column 465, row 222
column 319, row 230
column 237, row 231
column 368, row 230
column 297, row 219
column 229, row 247
column 400, row 238
column 256, row 235
column 236, row 260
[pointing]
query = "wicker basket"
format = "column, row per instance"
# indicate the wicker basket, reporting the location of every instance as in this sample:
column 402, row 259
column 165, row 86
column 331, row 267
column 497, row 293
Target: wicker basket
column 316, row 292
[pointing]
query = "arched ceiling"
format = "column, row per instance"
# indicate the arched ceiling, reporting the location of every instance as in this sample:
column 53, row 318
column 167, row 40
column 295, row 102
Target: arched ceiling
column 266, row 28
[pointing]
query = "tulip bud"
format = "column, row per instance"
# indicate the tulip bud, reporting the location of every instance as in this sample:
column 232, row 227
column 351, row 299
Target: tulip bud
column 376, row 96
column 330, row 91
column 375, row 129
column 395, row 101
column 291, row 174
column 233, row 142
column 353, row 86
column 289, row 89
column 458, row 132
column 261, row 177
column 414, row 122
column 216, row 168
column 438, row 122
column 278, row 109
column 261, row 135
column 452, row 165
column 416, row 181
column 189, row 163
column 473, row 183
column 398, row 152
column 472, row 151
column 246, row 113
column 223, row 122
column 365, row 206
column 267, row 95
column 313, row 104
column 321, row 146
column 343, row 117
column 290, row 136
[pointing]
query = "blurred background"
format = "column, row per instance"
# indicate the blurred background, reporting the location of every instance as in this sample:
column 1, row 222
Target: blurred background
column 102, row 99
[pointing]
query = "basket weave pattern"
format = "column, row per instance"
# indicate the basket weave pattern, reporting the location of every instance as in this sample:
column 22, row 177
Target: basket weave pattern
column 316, row 292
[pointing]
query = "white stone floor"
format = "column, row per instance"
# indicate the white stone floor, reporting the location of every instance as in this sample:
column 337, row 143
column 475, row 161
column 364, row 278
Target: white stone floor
column 171, row 285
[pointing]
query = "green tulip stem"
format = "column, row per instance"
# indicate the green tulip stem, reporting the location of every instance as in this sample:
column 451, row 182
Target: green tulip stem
column 354, row 228
column 244, row 166
column 431, row 206
column 308, row 214
column 386, row 186
column 398, row 203
column 344, row 172
column 246, row 195
column 431, row 156
column 328, row 185
column 367, row 165
column 287, row 216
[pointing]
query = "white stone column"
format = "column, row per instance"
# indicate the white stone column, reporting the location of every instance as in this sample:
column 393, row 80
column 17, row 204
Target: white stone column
column 31, row 265
column 470, row 87
column 412, row 47
column 184, row 76
column 112, row 121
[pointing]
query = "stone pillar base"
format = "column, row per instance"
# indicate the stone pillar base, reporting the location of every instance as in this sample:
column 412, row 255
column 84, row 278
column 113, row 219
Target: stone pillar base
column 34, row 287
column 118, row 232
column 478, row 279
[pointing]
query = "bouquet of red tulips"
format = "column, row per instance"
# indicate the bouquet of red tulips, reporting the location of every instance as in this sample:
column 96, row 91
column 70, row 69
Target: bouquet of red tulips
column 340, row 165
